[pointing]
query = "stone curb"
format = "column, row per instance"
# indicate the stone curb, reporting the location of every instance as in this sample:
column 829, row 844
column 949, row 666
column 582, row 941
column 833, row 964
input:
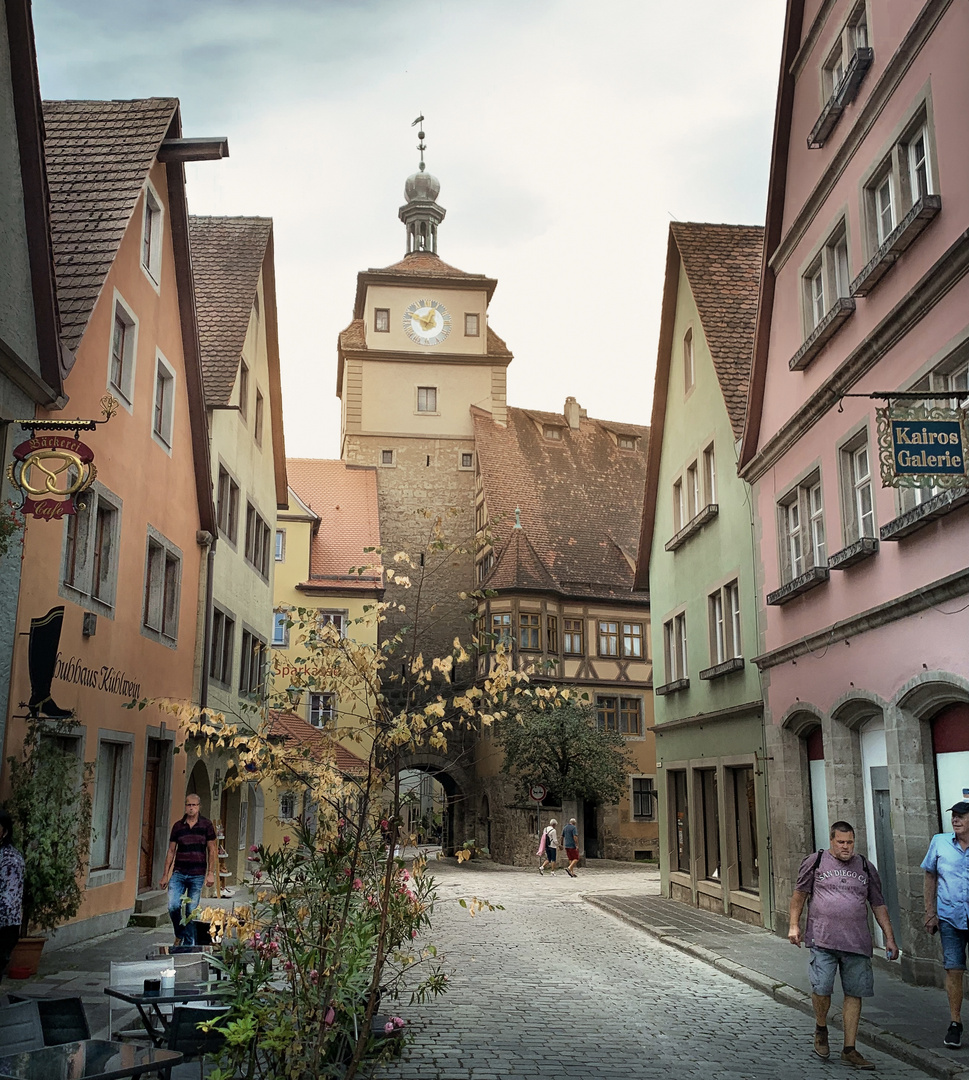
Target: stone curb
column 871, row 1035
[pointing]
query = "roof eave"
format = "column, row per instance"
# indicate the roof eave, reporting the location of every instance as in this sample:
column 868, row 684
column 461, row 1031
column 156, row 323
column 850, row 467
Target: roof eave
column 367, row 278
column 657, row 423
column 275, row 380
column 776, row 189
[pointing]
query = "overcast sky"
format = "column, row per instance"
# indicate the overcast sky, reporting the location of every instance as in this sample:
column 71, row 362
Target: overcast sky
column 566, row 135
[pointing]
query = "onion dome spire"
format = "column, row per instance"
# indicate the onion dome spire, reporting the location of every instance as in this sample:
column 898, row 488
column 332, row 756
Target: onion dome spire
column 420, row 214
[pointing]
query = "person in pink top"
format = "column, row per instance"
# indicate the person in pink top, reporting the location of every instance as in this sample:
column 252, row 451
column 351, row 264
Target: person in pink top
column 840, row 886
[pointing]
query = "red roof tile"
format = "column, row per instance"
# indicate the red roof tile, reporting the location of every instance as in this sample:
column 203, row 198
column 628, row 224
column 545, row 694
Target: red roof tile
column 296, row 732
column 425, row 264
column 722, row 264
column 227, row 257
column 345, row 498
column 98, row 157
column 580, row 498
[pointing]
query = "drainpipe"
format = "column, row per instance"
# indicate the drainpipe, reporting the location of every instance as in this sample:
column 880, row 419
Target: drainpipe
column 209, row 539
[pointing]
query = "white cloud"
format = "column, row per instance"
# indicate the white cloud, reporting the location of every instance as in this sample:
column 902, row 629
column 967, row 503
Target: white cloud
column 564, row 137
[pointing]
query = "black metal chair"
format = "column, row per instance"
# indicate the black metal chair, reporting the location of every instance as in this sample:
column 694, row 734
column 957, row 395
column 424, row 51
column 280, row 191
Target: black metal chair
column 185, row 1036
column 63, row 1020
column 20, row 1027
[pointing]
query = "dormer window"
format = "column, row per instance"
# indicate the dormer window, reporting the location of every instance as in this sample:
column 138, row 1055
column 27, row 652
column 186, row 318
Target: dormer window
column 552, row 432
column 627, row 442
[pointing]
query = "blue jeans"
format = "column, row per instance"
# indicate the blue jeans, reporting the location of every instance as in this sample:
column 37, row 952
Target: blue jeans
column 180, row 885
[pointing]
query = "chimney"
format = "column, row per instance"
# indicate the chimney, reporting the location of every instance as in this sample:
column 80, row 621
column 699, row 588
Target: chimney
column 573, row 413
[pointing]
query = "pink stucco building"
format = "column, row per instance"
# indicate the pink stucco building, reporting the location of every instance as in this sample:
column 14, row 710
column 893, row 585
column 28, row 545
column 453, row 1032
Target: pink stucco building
column 864, row 650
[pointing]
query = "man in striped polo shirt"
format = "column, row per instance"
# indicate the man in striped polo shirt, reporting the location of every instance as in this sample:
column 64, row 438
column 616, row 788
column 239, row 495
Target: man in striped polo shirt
column 193, row 853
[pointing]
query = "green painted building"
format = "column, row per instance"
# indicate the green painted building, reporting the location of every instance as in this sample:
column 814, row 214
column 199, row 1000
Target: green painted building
column 696, row 558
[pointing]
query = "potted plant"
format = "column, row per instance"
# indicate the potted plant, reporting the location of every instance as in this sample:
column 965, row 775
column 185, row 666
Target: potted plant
column 50, row 803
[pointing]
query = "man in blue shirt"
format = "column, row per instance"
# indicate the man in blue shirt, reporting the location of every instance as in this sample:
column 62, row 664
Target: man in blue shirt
column 946, row 867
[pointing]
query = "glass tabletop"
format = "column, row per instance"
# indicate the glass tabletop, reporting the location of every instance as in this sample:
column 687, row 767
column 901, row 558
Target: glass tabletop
column 93, row 1059
column 135, row 993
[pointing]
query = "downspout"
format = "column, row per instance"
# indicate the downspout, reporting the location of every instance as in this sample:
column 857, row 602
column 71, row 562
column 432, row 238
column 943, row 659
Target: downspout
column 207, row 635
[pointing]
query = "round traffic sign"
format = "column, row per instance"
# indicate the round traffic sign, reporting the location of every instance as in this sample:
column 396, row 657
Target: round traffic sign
column 537, row 792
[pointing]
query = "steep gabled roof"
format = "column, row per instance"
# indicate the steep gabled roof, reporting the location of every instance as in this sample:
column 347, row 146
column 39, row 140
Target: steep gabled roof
column 580, row 499
column 227, row 257
column 345, row 499
column 98, row 156
column 295, row 731
column 722, row 264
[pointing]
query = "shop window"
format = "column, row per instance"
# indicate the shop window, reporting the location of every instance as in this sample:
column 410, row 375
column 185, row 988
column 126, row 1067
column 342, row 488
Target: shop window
column 679, row 804
column 814, row 745
column 745, row 828
column 710, row 816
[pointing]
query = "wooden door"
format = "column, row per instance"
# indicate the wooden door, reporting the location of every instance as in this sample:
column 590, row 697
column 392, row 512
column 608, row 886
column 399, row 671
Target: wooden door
column 148, row 814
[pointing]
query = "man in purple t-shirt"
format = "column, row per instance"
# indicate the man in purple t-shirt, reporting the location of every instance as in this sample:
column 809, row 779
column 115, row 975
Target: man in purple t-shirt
column 193, row 851
column 840, row 886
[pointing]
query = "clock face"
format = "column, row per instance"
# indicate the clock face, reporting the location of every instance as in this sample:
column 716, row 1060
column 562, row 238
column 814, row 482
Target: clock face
column 427, row 322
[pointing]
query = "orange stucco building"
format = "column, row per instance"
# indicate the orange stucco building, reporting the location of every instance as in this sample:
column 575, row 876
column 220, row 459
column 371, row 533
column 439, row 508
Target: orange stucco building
column 127, row 568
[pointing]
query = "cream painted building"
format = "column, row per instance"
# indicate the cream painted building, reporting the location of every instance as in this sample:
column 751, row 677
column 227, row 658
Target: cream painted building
column 235, row 292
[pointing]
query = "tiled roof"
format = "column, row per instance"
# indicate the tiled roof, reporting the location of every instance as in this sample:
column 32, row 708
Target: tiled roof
column 425, row 264
column 227, row 256
column 98, row 156
column 296, row 731
column 580, row 498
column 722, row 264
column 345, row 498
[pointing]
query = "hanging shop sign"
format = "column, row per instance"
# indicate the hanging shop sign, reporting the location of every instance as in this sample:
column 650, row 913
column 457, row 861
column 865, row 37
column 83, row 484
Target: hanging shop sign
column 920, row 445
column 53, row 470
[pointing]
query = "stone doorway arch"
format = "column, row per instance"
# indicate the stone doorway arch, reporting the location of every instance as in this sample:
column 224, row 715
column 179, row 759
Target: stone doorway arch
column 458, row 817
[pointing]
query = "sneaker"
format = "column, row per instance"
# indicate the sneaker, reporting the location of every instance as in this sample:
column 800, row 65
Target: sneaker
column 953, row 1037
column 821, row 1047
column 854, row 1060
column 541, row 870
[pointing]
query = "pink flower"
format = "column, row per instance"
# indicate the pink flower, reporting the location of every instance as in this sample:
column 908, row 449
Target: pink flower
column 254, row 849
column 289, row 966
column 385, row 824
column 346, row 870
column 389, row 1028
column 285, row 839
column 313, row 976
column 397, row 1021
column 357, row 884
column 413, row 933
column 330, row 1016
column 258, row 875
column 405, row 876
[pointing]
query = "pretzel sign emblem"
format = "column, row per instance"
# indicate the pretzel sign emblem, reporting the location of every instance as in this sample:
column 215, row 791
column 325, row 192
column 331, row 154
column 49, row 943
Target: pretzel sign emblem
column 51, row 471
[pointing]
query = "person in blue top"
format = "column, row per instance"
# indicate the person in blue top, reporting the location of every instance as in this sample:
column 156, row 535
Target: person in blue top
column 946, row 867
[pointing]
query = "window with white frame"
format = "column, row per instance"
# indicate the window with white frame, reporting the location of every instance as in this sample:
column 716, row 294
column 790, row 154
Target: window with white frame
column 257, row 541
column 92, row 538
column 221, row 645
column 626, row 442
column 632, row 640
column 323, row 711
column 163, row 413
column 258, row 419
column 674, row 647
column 287, row 806
column 801, row 529
column 724, row 611
column 163, row 585
column 689, row 374
column 827, row 278
column 858, row 491
column 151, row 235
column 109, row 810
column 573, row 637
column 227, row 505
column 124, row 344
column 608, row 632
column 692, row 490
column 951, row 375
column 501, row 628
column 643, row 798
column 710, row 475
column 854, row 36
column 336, row 619
column 427, row 399
column 281, row 628
column 903, row 178
column 280, row 552
column 252, row 665
column 679, row 506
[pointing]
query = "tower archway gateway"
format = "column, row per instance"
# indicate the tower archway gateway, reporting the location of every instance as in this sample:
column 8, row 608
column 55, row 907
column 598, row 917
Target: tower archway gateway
column 457, row 817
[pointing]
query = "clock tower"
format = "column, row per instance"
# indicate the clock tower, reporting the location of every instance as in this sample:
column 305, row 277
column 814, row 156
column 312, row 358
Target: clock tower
column 417, row 356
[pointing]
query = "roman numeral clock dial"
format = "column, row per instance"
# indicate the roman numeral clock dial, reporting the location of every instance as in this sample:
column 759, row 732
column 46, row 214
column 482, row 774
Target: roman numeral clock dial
column 427, row 322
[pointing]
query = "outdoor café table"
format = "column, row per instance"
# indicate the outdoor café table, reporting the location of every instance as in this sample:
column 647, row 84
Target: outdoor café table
column 93, row 1059
column 149, row 1004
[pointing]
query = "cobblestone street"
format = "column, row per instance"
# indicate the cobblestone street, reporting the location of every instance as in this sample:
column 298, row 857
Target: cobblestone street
column 552, row 987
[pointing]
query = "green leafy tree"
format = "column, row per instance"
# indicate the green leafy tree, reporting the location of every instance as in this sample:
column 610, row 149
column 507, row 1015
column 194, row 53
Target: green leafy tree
column 564, row 749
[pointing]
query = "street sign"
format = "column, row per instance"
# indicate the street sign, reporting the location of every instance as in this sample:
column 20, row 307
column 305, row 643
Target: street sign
column 537, row 792
column 922, row 446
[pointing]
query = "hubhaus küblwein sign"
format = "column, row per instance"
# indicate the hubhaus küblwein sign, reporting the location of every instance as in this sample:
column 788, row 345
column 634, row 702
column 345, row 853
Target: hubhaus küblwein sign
column 920, row 445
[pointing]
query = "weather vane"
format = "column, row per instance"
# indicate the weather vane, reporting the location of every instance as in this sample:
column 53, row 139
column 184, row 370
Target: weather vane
column 420, row 135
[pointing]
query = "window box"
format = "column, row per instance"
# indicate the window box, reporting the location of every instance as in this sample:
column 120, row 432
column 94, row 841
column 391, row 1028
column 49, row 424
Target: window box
column 853, row 553
column 708, row 513
column 672, row 687
column 943, row 503
column 844, row 93
column 735, row 663
column 814, row 577
column 899, row 240
column 841, row 309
